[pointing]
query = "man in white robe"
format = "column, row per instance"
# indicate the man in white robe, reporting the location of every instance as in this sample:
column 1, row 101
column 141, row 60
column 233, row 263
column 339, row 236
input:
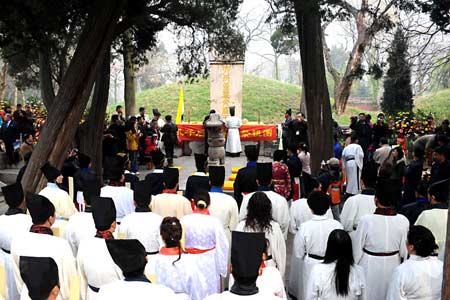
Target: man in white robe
column 40, row 275
column 222, row 206
column 40, row 242
column 379, row 243
column 361, row 204
column 13, row 223
column 81, row 225
column 310, row 241
column 233, row 146
column 300, row 212
column 435, row 218
column 95, row 265
column 130, row 256
column 382, row 154
column 61, row 200
column 142, row 224
column 169, row 203
column 246, row 259
column 280, row 208
column 121, row 195
column 352, row 160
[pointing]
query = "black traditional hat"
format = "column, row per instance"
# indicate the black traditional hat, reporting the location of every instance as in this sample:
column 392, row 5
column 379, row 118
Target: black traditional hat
column 13, row 194
column 114, row 168
column 246, row 253
column 440, row 190
column 142, row 193
column 157, row 157
column 170, row 177
column 200, row 161
column 264, row 173
column 319, row 202
column 217, row 175
column 40, row 275
column 40, row 208
column 50, row 172
column 232, row 110
column 91, row 189
column 129, row 255
column 103, row 212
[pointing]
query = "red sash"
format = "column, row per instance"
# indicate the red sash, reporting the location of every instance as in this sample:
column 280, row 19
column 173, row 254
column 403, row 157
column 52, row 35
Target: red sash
column 198, row 251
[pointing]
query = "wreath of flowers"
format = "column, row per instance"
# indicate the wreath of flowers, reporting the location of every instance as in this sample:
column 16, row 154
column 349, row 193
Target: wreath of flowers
column 412, row 125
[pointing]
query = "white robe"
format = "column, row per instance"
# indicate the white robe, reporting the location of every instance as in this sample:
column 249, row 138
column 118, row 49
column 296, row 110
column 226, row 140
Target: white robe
column 206, row 232
column 225, row 208
column 312, row 238
column 64, row 206
column 436, row 220
column 380, row 234
column 137, row 290
column 417, row 278
column 354, row 208
column 269, row 282
column 11, row 226
column 233, row 137
column 300, row 213
column 280, row 210
column 145, row 227
column 321, row 284
column 123, row 198
column 182, row 276
column 95, row 267
column 44, row 245
column 230, row 296
column 277, row 245
column 353, row 167
column 170, row 205
column 80, row 226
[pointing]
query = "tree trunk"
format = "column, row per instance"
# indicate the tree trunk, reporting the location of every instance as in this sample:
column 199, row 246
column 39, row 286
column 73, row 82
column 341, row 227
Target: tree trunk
column 445, row 295
column 303, row 102
column 3, row 77
column 73, row 95
column 354, row 62
column 91, row 132
column 314, row 81
column 332, row 70
column 45, row 78
column 130, row 78
column 276, row 67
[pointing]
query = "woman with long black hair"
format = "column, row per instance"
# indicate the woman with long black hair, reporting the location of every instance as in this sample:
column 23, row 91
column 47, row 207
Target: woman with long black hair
column 420, row 277
column 172, row 267
column 338, row 277
column 259, row 219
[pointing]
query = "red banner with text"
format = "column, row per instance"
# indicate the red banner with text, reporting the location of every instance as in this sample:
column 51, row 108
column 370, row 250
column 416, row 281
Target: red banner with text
column 195, row 132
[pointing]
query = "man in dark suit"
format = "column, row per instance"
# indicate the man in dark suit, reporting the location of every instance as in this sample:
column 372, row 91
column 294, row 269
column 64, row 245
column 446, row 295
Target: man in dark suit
column 295, row 170
column 169, row 138
column 199, row 180
column 246, row 177
column 9, row 134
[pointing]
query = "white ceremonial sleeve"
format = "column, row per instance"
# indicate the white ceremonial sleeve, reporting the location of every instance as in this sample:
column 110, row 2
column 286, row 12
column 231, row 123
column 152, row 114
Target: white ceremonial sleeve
column 299, row 244
column 348, row 215
column 283, row 218
column 234, row 217
column 279, row 249
column 243, row 210
column 222, row 248
column 359, row 240
column 293, row 220
column 395, row 289
column 68, row 270
column 313, row 285
column 83, row 280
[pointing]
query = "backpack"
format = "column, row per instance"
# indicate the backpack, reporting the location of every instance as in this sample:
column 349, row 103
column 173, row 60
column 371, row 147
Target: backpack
column 335, row 190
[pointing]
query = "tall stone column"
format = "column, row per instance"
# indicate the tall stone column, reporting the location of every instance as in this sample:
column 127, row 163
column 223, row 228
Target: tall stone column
column 226, row 86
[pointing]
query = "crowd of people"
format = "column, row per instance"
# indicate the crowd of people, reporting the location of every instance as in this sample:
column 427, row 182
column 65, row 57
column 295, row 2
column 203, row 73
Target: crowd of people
column 369, row 225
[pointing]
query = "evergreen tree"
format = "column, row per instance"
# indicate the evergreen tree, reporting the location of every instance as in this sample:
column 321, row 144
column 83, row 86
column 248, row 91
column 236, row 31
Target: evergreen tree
column 397, row 84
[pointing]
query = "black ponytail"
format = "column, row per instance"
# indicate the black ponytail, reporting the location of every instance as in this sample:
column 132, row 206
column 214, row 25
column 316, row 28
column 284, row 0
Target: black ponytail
column 339, row 250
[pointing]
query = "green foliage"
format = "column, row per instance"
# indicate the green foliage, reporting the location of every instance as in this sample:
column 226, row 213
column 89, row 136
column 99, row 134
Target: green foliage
column 397, row 84
column 436, row 103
